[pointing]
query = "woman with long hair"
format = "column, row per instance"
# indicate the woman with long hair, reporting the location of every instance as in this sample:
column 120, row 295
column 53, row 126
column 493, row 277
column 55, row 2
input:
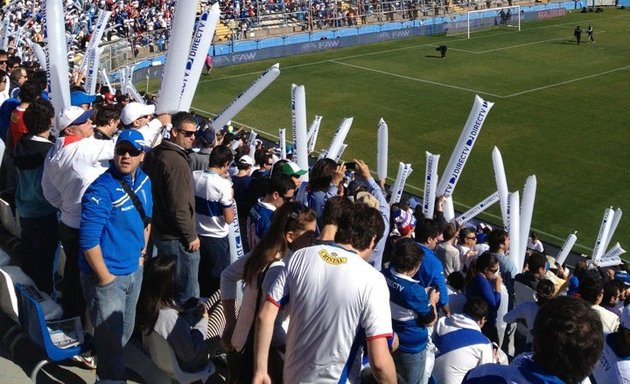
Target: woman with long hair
column 187, row 331
column 485, row 282
column 292, row 227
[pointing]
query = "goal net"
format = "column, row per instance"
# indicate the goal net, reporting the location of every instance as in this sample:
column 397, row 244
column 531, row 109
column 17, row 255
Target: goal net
column 494, row 18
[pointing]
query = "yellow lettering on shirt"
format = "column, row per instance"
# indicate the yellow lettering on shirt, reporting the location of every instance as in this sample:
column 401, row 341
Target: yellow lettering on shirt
column 332, row 258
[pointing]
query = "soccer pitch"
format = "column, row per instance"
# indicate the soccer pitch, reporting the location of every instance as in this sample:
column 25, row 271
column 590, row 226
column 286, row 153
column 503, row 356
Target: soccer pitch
column 560, row 112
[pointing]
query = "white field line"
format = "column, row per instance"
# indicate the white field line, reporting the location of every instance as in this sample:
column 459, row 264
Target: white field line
column 568, row 81
column 417, row 79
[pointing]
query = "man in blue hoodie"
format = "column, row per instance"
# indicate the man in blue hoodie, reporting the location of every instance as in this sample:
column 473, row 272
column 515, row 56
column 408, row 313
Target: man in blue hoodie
column 113, row 238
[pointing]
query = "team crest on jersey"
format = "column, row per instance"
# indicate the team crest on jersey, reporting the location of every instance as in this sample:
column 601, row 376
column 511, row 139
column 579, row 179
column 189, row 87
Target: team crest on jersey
column 332, row 258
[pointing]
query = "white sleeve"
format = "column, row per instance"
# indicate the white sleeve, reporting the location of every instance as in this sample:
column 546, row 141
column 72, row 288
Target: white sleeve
column 231, row 276
column 150, row 131
column 98, row 150
column 278, row 292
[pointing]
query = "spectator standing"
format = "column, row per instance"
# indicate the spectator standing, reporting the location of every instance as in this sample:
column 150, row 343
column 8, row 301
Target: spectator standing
column 431, row 272
column 174, row 209
column 280, row 189
column 75, row 161
column 534, row 243
column 614, row 366
column 205, row 141
column 327, row 316
column 241, row 182
column 30, row 92
column 591, row 289
column 37, row 216
column 446, row 251
column 4, row 57
column 460, row 343
column 377, row 196
column 17, row 78
column 115, row 226
column 292, row 228
column 106, row 121
column 486, row 283
column 214, row 205
column 412, row 310
column 526, row 311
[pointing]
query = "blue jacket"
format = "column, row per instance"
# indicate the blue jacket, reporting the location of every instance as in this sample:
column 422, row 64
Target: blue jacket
column 481, row 287
column 408, row 296
column 431, row 274
column 109, row 219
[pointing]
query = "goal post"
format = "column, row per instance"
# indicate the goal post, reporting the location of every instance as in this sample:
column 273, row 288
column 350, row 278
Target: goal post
column 500, row 17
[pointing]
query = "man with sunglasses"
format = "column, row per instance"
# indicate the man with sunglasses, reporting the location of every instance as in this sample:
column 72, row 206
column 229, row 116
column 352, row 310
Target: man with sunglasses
column 174, row 231
column 115, row 226
column 140, row 117
column 4, row 93
column 280, row 189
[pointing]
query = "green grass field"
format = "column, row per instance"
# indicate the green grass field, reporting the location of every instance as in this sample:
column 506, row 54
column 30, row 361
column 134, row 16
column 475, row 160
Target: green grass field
column 561, row 112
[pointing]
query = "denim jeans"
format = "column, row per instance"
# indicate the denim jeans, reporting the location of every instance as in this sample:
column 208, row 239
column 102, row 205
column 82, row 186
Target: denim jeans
column 112, row 308
column 40, row 246
column 215, row 257
column 410, row 366
column 187, row 268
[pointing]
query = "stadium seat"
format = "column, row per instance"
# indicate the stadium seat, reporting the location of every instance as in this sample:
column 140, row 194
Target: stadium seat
column 9, row 305
column 164, row 358
column 32, row 319
column 9, row 221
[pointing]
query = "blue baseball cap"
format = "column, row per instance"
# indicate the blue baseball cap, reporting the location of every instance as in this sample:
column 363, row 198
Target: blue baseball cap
column 78, row 98
column 132, row 137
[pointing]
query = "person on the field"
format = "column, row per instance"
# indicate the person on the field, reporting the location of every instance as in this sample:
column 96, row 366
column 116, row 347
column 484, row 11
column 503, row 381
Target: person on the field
column 578, row 34
column 589, row 32
column 442, row 49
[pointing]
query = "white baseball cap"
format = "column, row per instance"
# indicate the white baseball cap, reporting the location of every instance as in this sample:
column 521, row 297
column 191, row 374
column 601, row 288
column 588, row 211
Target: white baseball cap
column 134, row 111
column 73, row 116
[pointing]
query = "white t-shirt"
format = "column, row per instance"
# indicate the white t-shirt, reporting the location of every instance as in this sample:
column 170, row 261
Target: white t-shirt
column 213, row 193
column 612, row 368
column 336, row 302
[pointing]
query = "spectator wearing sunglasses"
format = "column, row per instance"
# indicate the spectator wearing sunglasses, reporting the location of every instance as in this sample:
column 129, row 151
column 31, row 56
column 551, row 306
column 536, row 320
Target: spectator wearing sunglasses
column 4, row 93
column 114, row 231
column 280, row 189
column 174, row 223
column 141, row 117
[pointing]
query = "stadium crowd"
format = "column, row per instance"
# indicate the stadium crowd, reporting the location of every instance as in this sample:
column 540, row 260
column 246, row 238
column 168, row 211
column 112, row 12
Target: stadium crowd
column 337, row 284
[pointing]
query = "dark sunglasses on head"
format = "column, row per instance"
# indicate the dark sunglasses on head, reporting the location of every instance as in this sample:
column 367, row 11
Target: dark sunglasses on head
column 121, row 151
column 187, row 133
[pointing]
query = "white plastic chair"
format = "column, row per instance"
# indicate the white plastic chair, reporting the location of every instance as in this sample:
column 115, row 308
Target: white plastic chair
column 164, row 358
